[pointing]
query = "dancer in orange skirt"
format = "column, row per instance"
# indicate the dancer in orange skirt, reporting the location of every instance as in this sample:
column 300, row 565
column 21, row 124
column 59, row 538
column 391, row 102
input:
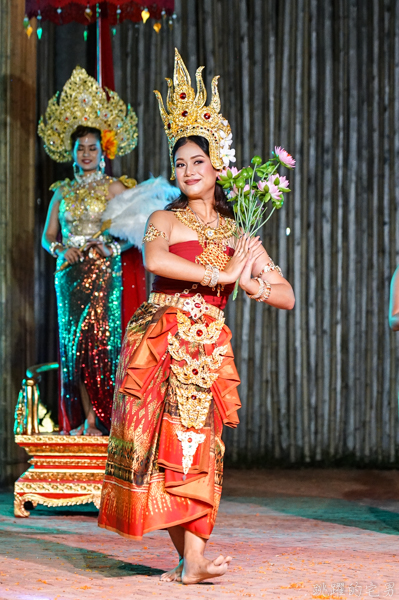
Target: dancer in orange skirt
column 177, row 383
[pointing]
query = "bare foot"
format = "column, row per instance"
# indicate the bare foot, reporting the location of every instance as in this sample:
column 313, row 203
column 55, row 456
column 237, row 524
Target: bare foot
column 78, row 430
column 90, row 429
column 198, row 568
column 174, row 574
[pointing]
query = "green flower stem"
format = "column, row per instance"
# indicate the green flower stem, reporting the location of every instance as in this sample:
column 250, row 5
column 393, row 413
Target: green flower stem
column 236, row 289
column 265, row 221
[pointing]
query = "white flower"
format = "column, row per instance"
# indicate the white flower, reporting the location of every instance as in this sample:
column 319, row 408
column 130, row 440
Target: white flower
column 227, row 155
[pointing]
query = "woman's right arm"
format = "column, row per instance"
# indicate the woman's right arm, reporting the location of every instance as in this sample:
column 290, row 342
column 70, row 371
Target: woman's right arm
column 158, row 259
column 51, row 229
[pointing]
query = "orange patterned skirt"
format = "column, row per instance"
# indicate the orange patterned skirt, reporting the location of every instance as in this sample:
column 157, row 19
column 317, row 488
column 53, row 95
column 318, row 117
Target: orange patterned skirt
column 152, row 479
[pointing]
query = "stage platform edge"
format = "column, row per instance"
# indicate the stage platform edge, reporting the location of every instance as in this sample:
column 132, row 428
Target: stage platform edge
column 65, row 471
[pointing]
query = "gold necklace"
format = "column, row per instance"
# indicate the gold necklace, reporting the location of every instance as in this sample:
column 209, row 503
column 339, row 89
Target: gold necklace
column 213, row 240
column 201, row 220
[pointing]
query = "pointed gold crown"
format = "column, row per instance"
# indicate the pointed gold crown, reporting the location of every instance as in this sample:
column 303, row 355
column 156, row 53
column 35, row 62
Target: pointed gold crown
column 187, row 115
column 84, row 102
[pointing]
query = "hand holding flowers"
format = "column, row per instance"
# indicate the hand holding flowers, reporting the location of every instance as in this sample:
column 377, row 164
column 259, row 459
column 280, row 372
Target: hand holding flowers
column 256, row 192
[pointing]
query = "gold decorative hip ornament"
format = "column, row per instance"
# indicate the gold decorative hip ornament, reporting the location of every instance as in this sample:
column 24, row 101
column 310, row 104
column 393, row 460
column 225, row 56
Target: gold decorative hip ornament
column 193, row 406
column 195, row 378
column 198, row 332
column 195, row 370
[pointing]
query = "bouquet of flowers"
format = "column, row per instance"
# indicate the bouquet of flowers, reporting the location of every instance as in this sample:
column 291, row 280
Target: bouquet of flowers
column 256, row 191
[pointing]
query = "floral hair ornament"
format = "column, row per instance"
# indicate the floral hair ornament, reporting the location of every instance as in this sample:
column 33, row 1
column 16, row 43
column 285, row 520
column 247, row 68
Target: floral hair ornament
column 109, row 143
column 187, row 115
column 83, row 102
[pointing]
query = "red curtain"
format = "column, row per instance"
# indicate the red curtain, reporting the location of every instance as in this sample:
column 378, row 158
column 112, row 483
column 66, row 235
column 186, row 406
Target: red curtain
column 65, row 11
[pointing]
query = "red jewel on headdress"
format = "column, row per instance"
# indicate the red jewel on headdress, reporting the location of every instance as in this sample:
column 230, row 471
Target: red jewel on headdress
column 190, row 440
column 195, row 371
column 199, row 332
column 197, row 305
column 184, row 113
column 207, row 116
column 169, row 126
column 193, row 397
column 183, row 96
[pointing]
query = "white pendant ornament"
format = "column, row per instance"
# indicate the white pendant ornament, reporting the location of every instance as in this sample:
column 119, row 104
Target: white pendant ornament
column 190, row 442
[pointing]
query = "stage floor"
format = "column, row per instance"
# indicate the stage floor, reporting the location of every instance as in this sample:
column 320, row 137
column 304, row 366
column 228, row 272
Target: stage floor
column 293, row 534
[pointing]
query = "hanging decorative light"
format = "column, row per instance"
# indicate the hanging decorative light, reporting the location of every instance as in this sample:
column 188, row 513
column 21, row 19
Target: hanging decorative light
column 84, row 11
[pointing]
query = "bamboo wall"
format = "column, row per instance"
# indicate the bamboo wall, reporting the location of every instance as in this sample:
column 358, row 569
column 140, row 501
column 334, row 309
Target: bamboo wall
column 321, row 78
column 17, row 145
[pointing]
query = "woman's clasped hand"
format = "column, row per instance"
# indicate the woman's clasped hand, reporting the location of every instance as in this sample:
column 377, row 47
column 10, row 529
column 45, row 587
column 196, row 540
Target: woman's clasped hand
column 247, row 251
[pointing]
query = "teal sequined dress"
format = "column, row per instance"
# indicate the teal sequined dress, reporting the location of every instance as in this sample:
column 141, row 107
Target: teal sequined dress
column 89, row 308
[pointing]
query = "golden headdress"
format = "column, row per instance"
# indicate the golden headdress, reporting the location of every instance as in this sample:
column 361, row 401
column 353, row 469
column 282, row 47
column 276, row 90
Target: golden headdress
column 187, row 115
column 84, row 102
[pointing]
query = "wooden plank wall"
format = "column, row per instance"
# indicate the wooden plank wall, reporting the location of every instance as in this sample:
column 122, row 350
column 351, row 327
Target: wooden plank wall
column 319, row 384
column 17, row 142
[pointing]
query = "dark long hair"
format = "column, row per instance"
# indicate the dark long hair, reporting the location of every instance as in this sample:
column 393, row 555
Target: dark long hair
column 82, row 130
column 221, row 204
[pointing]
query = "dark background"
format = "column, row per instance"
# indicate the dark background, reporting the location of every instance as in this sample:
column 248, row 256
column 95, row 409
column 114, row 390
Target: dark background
column 319, row 384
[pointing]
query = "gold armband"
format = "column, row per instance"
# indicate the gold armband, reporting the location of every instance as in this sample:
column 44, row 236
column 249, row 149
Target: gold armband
column 128, row 181
column 270, row 266
column 153, row 233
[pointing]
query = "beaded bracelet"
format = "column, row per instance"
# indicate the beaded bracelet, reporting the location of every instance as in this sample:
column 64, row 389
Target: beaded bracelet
column 207, row 275
column 52, row 248
column 260, row 290
column 116, row 248
column 266, row 293
column 215, row 277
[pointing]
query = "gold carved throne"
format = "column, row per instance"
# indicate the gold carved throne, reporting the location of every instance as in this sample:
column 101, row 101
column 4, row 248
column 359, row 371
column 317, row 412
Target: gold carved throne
column 65, row 470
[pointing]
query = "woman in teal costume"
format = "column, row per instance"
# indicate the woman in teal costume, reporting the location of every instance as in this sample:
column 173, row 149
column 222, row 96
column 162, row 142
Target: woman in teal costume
column 88, row 291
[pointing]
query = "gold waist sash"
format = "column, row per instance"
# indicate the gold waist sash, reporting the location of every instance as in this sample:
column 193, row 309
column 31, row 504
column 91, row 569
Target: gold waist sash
column 178, row 302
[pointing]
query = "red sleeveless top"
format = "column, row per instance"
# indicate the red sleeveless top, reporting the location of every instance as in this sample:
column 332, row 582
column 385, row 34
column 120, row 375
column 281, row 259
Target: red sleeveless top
column 190, row 250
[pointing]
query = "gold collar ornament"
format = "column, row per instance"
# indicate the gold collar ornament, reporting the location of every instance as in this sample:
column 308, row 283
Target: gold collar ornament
column 84, row 102
column 187, row 115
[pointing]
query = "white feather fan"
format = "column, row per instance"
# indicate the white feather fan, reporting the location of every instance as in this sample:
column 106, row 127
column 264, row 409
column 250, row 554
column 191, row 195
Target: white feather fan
column 129, row 211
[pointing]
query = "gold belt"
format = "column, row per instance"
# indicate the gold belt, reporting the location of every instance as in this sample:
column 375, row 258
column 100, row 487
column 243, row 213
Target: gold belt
column 178, row 302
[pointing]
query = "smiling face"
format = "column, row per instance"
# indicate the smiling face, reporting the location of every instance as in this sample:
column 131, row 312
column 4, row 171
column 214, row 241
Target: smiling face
column 87, row 152
column 195, row 174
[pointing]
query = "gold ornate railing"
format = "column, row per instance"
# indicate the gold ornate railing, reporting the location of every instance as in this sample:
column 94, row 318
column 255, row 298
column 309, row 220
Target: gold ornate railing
column 29, row 409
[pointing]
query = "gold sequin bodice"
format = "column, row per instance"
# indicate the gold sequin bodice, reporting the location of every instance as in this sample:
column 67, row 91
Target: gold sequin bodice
column 81, row 209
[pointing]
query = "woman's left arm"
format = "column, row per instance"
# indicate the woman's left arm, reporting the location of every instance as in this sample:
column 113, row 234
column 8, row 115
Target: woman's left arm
column 278, row 291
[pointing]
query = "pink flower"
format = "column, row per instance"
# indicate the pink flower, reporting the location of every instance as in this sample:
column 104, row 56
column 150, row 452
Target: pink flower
column 261, row 185
column 233, row 192
column 280, row 181
column 223, row 172
column 270, row 187
column 274, row 191
column 285, row 158
column 246, row 188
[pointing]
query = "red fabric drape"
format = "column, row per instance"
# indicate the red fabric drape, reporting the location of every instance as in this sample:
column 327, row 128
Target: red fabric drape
column 65, row 11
